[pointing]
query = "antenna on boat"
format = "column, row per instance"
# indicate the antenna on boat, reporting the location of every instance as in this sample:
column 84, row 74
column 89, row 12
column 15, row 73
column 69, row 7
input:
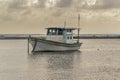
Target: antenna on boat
column 64, row 24
column 78, row 27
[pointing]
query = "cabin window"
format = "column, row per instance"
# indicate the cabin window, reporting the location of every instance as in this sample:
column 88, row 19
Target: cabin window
column 53, row 32
column 56, row 32
column 68, row 30
column 60, row 32
column 49, row 32
column 70, row 37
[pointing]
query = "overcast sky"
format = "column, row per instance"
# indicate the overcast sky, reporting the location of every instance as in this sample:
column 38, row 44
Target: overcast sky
column 32, row 16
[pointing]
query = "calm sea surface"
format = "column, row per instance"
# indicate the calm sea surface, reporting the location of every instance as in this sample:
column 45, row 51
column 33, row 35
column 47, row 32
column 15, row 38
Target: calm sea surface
column 98, row 59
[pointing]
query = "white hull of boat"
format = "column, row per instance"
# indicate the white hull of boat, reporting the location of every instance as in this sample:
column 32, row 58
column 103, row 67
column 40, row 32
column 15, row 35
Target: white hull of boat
column 43, row 46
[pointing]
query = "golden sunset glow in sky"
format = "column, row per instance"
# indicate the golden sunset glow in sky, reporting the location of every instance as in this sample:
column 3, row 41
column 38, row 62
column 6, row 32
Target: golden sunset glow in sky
column 32, row 16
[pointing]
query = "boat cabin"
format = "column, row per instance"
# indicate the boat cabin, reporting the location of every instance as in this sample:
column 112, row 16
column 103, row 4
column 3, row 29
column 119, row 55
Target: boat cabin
column 64, row 35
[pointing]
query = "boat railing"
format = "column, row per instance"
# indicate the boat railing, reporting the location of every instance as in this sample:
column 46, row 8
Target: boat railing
column 44, row 36
column 75, row 37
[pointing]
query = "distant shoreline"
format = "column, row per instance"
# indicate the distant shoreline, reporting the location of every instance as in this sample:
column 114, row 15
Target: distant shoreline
column 74, row 38
column 82, row 36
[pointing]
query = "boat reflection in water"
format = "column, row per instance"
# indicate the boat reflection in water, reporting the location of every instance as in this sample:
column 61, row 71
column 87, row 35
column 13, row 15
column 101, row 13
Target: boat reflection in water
column 52, row 65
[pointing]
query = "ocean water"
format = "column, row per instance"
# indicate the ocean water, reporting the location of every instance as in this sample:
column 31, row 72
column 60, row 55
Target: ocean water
column 98, row 59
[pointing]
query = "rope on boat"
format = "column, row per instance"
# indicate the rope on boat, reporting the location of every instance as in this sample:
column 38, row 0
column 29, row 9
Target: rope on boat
column 34, row 45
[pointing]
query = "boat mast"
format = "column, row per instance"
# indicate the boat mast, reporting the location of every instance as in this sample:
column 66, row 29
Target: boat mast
column 78, row 27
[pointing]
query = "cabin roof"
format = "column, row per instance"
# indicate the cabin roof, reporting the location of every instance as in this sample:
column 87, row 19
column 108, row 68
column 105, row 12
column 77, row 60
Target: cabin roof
column 61, row 28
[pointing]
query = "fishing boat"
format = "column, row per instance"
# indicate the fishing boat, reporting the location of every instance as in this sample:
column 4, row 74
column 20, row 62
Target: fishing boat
column 56, row 39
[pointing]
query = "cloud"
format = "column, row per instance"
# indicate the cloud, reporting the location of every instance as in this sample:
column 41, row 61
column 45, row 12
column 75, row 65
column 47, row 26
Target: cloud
column 102, row 4
column 41, row 3
column 19, row 9
column 64, row 3
column 17, row 4
column 21, row 4
column 6, row 18
column 111, row 3
column 84, row 4
column 58, row 13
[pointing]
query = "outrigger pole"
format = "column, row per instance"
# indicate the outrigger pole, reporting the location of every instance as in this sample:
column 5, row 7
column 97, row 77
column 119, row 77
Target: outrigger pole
column 28, row 43
column 78, row 27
